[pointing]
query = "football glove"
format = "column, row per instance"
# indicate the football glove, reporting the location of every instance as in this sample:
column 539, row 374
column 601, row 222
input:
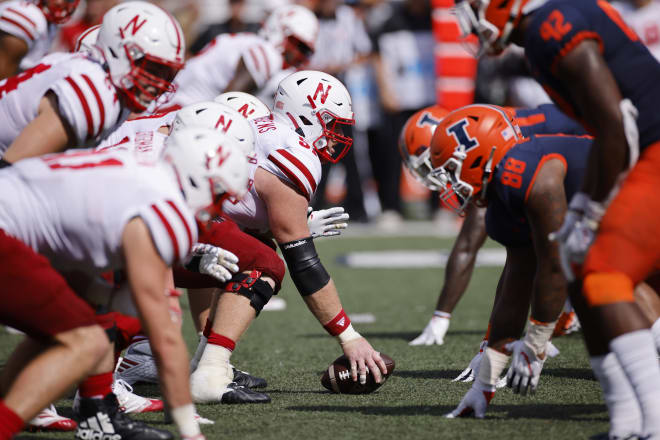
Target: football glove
column 525, row 371
column 215, row 261
column 577, row 232
column 472, row 369
column 475, row 402
column 326, row 222
column 433, row 333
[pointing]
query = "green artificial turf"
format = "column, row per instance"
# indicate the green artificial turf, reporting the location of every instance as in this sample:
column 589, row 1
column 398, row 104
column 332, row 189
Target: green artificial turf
column 291, row 350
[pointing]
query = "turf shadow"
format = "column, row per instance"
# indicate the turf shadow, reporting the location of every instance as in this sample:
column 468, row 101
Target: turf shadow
column 570, row 373
column 427, row 374
column 413, row 410
column 406, row 336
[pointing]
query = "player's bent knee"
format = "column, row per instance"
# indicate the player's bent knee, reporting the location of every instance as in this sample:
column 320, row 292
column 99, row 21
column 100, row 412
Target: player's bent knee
column 253, row 287
column 89, row 341
column 603, row 288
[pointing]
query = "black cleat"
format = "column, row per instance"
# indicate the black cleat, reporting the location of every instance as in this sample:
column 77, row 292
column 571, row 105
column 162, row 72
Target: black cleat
column 100, row 419
column 245, row 379
column 239, row 394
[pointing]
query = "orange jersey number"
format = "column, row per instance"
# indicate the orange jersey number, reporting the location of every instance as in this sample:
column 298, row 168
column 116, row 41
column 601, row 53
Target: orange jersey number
column 555, row 27
column 512, row 176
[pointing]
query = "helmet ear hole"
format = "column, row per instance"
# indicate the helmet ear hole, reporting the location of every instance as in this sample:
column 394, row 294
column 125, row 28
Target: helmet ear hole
column 192, row 182
column 112, row 52
column 476, row 162
column 305, row 120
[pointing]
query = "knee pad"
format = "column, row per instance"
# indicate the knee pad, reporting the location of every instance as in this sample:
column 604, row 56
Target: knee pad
column 252, row 287
column 603, row 288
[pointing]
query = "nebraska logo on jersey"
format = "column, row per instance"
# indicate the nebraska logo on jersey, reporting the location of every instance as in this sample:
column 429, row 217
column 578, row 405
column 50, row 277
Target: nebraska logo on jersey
column 136, row 25
column 324, row 93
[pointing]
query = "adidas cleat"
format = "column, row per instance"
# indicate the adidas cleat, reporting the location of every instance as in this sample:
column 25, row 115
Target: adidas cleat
column 245, row 379
column 100, row 419
column 235, row 393
column 49, row 420
column 138, row 365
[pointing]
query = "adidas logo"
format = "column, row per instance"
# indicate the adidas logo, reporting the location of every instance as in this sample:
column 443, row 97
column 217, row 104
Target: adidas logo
column 344, row 375
column 341, row 322
column 98, row 427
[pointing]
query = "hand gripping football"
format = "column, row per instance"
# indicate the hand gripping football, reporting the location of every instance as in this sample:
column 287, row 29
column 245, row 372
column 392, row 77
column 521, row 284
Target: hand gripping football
column 337, row 377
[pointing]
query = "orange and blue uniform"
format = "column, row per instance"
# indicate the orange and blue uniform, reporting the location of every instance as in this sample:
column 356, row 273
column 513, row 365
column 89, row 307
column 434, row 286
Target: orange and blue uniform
column 627, row 247
column 546, row 119
column 514, row 177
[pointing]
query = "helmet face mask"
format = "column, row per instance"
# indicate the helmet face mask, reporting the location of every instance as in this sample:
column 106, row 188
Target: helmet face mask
column 58, row 11
column 293, row 30
column 332, row 145
column 296, row 53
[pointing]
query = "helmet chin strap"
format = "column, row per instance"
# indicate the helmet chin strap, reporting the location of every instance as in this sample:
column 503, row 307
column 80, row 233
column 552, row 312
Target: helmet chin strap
column 488, row 170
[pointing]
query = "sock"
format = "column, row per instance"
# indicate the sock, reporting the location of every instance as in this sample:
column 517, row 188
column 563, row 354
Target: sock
column 201, row 346
column 625, row 415
column 97, row 386
column 215, row 339
column 638, row 358
column 216, row 355
column 655, row 330
column 10, row 422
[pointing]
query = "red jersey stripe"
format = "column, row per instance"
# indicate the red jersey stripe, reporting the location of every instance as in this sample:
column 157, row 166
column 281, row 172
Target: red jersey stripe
column 25, row 17
column 170, row 232
column 98, row 101
column 267, row 64
column 18, row 25
column 290, row 175
column 85, row 106
column 183, row 220
column 254, row 58
column 301, row 166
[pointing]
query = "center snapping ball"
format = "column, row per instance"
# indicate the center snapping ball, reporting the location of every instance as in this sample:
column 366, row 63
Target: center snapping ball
column 337, row 377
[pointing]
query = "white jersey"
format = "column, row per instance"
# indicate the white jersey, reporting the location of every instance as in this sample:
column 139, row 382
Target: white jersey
column 26, row 21
column 87, row 100
column 140, row 135
column 282, row 152
column 73, row 208
column 208, row 74
column 645, row 21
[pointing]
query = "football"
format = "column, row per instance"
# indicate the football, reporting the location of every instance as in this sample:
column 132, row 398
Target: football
column 337, row 377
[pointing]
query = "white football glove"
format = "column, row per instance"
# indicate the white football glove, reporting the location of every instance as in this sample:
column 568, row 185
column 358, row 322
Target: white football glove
column 433, row 333
column 472, row 369
column 525, row 371
column 215, row 261
column 326, row 222
column 475, row 402
column 577, row 232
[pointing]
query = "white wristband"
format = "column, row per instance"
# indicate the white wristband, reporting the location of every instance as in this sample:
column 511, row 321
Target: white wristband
column 440, row 314
column 184, row 418
column 492, row 364
column 538, row 334
column 348, row 335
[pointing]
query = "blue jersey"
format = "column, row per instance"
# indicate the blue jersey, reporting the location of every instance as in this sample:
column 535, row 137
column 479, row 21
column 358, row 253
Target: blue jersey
column 506, row 221
column 560, row 25
column 547, row 119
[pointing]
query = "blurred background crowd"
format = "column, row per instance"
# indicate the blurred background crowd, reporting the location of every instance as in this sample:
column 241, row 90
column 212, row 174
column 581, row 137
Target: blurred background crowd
column 395, row 57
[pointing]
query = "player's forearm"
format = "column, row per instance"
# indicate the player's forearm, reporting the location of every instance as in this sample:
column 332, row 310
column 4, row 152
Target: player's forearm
column 457, row 277
column 324, row 304
column 550, row 292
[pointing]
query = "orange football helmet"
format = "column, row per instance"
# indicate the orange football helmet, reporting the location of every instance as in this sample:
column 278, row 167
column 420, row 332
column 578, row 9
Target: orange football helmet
column 465, row 149
column 492, row 21
column 415, row 144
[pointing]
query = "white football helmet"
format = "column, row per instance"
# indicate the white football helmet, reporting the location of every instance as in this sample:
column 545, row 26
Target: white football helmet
column 293, row 30
column 209, row 167
column 87, row 40
column 219, row 117
column 318, row 107
column 247, row 105
column 144, row 48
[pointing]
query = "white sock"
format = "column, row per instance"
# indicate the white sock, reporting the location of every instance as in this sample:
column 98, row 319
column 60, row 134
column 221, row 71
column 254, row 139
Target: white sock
column 655, row 330
column 216, row 357
column 625, row 415
column 638, row 358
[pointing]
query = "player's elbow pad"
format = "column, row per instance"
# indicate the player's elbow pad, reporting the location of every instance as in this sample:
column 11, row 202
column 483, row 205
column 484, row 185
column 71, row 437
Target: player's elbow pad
column 305, row 267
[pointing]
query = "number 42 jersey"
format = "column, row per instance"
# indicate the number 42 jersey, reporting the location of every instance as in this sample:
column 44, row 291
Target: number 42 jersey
column 73, row 208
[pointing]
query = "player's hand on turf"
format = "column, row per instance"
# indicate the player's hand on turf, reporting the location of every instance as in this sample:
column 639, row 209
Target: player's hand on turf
column 362, row 357
column 326, row 222
column 433, row 333
column 526, row 365
column 475, row 402
column 472, row 370
column 577, row 232
column 216, row 262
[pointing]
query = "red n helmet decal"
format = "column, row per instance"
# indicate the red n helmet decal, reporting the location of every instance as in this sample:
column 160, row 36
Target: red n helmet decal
column 225, row 124
column 218, row 158
column 136, row 25
column 324, row 93
column 245, row 110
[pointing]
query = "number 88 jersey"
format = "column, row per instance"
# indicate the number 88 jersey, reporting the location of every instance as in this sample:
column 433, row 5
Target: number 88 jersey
column 514, row 177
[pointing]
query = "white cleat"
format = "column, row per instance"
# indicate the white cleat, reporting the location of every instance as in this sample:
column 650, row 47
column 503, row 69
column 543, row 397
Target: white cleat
column 49, row 420
column 130, row 402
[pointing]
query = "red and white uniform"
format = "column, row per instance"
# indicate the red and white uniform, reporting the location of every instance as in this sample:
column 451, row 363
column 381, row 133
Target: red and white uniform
column 208, row 74
column 73, row 207
column 140, row 135
column 282, row 152
column 26, row 21
column 87, row 100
